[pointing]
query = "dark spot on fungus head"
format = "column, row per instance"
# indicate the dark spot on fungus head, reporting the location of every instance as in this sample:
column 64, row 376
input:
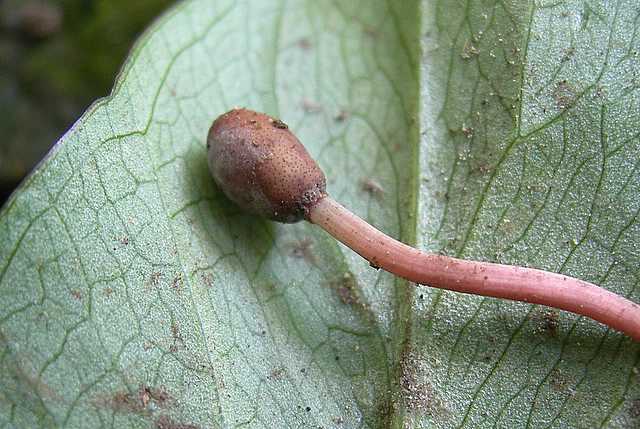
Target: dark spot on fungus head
column 278, row 124
column 262, row 167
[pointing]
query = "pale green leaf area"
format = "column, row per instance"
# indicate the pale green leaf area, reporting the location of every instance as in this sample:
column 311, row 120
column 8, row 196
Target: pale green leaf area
column 135, row 295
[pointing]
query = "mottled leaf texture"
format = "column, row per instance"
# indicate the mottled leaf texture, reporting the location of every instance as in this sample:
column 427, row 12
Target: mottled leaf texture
column 133, row 294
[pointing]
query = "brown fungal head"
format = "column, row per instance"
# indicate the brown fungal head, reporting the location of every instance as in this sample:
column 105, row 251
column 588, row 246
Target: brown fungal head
column 262, row 167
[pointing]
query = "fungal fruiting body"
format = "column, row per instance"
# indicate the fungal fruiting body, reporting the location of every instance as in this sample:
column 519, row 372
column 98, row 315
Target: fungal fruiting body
column 261, row 166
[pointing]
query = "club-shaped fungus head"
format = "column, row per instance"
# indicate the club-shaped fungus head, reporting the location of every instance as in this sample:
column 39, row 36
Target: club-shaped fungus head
column 262, row 167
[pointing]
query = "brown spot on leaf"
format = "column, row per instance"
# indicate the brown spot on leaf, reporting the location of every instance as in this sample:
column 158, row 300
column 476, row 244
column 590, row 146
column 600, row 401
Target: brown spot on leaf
column 176, row 284
column 371, row 31
column 207, row 278
column 417, row 392
column 124, row 402
column 304, row 44
column 136, row 402
column 22, row 380
column 166, row 422
column 303, row 249
column 564, row 94
column 178, row 341
column 568, row 53
column 482, row 168
column 559, row 382
column 550, row 322
column 346, row 288
column 469, row 51
column 373, row 188
column 76, row 294
column 342, row 116
column 277, row 374
column 154, row 279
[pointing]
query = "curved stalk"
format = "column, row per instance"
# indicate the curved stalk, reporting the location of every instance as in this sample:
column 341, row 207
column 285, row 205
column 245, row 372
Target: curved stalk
column 472, row 277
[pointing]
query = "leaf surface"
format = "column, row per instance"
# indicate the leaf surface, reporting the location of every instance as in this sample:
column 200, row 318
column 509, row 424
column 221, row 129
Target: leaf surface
column 135, row 295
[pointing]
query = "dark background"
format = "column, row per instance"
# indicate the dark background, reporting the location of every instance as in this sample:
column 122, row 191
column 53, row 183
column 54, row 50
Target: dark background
column 56, row 58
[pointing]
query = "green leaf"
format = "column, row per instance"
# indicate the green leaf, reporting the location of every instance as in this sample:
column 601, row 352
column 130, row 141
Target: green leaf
column 135, row 295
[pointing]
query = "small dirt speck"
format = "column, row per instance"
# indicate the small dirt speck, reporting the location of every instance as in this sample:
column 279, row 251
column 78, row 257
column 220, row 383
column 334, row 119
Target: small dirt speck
column 305, row 44
column 279, row 124
column 564, row 94
column 207, row 280
column 342, row 116
column 482, row 168
column 154, row 279
column 178, row 341
column 372, row 187
column 568, row 53
column 303, row 249
column 176, row 284
column 371, row 31
column 277, row 374
column 550, row 322
column 469, row 51
column 559, row 382
column 346, row 288
column 76, row 294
